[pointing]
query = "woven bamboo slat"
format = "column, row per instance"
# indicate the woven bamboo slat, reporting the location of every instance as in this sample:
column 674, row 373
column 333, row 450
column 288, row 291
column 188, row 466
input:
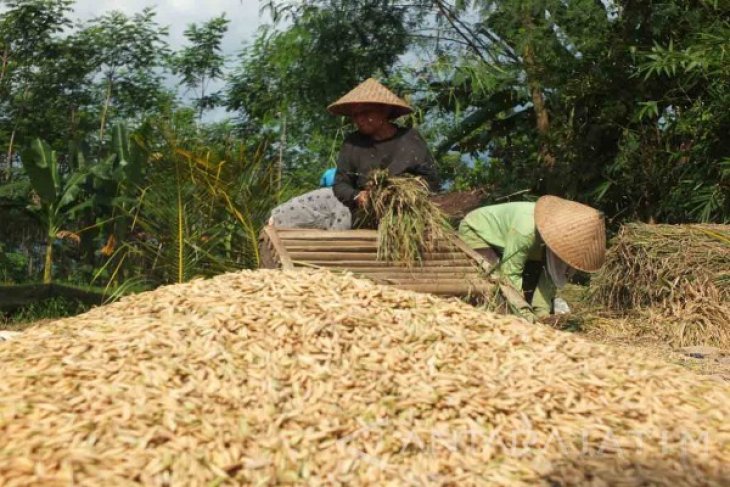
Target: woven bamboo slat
column 450, row 270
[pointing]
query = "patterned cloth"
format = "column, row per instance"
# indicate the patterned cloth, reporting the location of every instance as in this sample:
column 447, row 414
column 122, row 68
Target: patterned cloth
column 317, row 209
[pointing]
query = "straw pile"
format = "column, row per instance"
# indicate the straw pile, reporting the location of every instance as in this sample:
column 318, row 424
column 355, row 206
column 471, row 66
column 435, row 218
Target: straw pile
column 262, row 378
column 673, row 278
column 409, row 224
column 457, row 204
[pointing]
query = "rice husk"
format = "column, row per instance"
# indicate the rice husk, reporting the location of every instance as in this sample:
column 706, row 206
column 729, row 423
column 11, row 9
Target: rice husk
column 270, row 377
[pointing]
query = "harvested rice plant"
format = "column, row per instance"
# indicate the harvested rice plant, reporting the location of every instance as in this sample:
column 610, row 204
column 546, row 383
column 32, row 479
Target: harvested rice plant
column 673, row 281
column 408, row 223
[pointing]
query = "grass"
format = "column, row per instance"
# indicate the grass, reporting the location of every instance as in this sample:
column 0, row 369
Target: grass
column 47, row 309
column 22, row 305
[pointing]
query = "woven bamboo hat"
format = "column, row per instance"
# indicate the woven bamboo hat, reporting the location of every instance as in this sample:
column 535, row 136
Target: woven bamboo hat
column 371, row 92
column 574, row 232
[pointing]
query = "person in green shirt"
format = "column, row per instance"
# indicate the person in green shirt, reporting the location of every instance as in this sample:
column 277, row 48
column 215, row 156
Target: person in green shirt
column 537, row 246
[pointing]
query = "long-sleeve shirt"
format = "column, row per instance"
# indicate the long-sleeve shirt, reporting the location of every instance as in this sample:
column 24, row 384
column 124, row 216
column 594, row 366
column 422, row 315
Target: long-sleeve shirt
column 510, row 228
column 406, row 152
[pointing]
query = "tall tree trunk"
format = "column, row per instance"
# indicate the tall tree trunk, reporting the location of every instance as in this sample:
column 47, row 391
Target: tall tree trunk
column 538, row 100
column 9, row 155
column 180, row 228
column 72, row 127
column 19, row 116
column 538, row 103
column 105, row 110
column 202, row 96
column 532, row 69
column 4, row 67
column 282, row 145
column 30, row 266
column 48, row 266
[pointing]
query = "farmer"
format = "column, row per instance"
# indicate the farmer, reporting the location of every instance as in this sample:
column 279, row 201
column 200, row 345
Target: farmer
column 378, row 143
column 537, row 246
column 317, row 209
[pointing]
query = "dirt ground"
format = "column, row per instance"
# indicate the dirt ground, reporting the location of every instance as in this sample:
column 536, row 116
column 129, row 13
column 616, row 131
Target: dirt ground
column 703, row 360
column 707, row 361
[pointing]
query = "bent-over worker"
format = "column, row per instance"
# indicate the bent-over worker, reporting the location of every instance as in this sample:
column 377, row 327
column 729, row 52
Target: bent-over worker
column 538, row 245
column 377, row 143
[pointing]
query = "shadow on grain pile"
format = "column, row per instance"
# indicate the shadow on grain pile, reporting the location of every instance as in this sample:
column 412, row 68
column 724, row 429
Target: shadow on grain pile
column 313, row 378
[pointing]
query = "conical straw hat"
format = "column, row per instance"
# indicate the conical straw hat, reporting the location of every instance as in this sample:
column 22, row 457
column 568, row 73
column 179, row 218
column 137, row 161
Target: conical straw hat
column 370, row 91
column 574, row 232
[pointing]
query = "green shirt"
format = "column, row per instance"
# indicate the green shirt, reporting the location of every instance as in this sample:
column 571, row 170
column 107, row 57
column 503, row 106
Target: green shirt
column 510, row 228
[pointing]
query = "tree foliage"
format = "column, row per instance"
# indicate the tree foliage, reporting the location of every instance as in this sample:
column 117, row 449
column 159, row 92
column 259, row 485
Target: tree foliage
column 622, row 104
column 201, row 62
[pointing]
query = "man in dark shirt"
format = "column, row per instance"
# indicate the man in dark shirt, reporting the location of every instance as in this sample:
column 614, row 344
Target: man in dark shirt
column 378, row 143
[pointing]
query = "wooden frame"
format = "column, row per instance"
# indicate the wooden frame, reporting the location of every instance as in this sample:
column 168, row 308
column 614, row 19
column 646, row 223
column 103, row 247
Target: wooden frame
column 453, row 269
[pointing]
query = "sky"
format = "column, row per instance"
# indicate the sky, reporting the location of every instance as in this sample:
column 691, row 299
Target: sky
column 177, row 14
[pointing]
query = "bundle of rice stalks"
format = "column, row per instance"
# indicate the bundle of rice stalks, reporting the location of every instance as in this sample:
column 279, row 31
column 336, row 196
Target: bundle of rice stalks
column 676, row 276
column 650, row 265
column 269, row 377
column 409, row 224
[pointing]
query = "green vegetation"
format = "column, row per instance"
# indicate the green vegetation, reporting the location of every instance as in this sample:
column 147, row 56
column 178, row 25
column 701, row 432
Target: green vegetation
column 51, row 308
column 112, row 176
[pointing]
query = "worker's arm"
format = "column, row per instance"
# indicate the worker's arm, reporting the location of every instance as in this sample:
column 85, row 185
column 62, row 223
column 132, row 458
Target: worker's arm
column 470, row 236
column 542, row 299
column 514, row 257
column 414, row 158
column 345, row 187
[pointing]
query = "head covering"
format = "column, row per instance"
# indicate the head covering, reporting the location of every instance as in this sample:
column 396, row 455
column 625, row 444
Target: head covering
column 328, row 178
column 576, row 233
column 557, row 269
column 371, row 92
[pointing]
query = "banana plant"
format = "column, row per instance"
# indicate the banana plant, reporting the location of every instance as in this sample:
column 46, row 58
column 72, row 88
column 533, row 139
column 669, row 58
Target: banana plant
column 116, row 181
column 122, row 166
column 57, row 194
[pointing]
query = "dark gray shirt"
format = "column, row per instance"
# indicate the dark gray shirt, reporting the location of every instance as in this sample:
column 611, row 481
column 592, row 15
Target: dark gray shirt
column 406, row 152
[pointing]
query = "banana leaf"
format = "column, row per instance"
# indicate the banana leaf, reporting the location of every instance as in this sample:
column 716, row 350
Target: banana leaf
column 39, row 162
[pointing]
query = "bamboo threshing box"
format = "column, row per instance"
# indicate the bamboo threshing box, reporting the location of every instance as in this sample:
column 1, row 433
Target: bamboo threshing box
column 453, row 269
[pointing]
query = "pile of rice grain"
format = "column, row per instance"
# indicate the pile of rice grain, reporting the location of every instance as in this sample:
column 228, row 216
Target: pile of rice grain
column 266, row 377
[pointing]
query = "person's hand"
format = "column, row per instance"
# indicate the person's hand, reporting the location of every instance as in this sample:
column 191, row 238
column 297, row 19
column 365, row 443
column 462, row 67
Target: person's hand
column 552, row 320
column 362, row 198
